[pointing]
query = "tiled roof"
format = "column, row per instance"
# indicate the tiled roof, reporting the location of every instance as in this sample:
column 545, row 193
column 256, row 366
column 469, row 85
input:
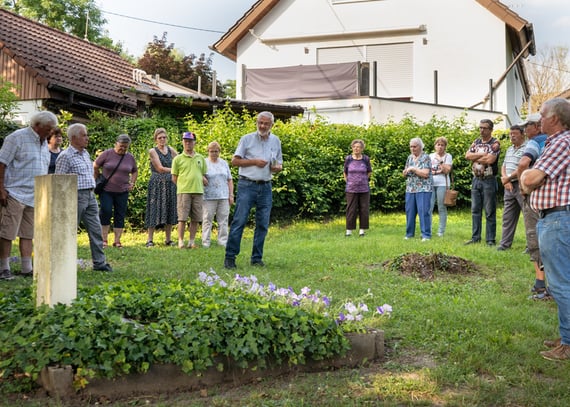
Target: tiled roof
column 64, row 62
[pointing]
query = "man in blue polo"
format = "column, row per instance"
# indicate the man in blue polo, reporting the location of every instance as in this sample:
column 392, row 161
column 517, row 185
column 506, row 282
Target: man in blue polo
column 258, row 157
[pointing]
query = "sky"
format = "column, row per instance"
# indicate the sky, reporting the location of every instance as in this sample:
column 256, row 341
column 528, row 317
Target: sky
column 195, row 25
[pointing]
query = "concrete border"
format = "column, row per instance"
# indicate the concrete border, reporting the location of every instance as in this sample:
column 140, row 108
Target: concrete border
column 58, row 381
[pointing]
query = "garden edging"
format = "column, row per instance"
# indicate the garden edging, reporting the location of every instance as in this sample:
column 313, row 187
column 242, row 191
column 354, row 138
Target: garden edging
column 58, row 381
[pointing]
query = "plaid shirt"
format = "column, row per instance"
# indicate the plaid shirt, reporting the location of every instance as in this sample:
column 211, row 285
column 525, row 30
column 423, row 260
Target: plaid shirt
column 73, row 161
column 554, row 162
column 25, row 158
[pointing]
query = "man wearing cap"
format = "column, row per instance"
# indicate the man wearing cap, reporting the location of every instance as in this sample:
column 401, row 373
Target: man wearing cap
column 258, row 156
column 23, row 156
column 533, row 150
column 188, row 173
column 512, row 198
column 549, row 184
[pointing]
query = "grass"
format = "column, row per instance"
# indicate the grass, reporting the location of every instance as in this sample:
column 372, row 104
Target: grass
column 467, row 340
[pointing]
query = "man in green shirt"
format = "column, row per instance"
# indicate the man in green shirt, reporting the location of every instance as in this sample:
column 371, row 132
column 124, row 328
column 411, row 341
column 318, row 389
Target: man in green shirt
column 188, row 170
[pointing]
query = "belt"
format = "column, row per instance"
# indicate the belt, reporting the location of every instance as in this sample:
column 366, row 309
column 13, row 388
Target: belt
column 544, row 212
column 253, row 180
column 86, row 190
column 485, row 177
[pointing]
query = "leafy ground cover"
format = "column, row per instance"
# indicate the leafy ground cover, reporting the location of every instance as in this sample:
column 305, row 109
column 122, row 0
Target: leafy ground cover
column 457, row 339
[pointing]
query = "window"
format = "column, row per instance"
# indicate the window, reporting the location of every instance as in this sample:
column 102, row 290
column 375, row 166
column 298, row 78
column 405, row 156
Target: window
column 350, row 1
column 394, row 61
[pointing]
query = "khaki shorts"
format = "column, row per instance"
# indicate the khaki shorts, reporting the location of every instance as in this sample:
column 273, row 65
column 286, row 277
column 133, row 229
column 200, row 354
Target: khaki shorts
column 189, row 204
column 16, row 220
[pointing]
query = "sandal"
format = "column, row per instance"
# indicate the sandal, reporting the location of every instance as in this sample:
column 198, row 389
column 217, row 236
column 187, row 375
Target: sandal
column 150, row 243
column 169, row 243
column 118, row 244
column 104, row 244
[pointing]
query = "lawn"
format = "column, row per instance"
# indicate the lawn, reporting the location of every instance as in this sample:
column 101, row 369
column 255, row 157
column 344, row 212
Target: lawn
column 457, row 340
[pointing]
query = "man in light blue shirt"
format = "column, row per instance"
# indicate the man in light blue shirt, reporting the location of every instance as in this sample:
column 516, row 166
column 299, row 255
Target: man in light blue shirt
column 23, row 156
column 258, row 156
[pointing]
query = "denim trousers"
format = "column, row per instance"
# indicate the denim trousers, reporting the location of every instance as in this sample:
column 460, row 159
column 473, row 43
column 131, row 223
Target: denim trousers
column 484, row 197
column 88, row 214
column 554, row 241
column 250, row 195
column 418, row 204
column 438, row 195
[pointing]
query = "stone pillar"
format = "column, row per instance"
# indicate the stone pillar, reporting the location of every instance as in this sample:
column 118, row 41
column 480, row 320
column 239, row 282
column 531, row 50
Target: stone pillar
column 55, row 239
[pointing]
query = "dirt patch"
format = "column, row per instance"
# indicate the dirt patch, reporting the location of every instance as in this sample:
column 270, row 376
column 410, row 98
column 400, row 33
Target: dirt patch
column 427, row 265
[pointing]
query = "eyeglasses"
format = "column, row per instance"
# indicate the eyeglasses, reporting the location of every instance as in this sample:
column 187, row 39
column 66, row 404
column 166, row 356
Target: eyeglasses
column 484, row 128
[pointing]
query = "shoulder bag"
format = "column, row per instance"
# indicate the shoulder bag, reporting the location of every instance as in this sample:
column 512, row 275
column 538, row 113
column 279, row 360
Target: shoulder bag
column 101, row 180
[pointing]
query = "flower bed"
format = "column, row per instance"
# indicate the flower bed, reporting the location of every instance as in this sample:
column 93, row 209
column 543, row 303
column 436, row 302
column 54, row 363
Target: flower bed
column 115, row 330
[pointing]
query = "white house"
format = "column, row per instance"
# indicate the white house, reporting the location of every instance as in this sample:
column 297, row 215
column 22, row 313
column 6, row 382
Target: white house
column 365, row 61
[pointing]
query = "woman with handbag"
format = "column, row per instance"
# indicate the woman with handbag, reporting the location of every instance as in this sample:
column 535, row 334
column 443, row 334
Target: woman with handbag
column 120, row 169
column 441, row 164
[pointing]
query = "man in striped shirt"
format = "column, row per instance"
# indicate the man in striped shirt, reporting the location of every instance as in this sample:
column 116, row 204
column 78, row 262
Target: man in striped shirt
column 549, row 181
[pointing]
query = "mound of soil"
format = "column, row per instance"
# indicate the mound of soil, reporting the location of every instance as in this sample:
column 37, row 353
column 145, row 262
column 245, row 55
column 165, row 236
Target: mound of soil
column 426, row 265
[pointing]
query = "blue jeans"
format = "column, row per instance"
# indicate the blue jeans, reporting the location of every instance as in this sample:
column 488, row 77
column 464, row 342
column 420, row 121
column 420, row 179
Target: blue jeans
column 484, row 196
column 249, row 195
column 113, row 201
column 418, row 204
column 554, row 242
column 438, row 195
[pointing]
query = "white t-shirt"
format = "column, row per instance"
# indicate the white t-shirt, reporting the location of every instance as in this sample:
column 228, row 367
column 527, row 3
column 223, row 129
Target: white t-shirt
column 439, row 179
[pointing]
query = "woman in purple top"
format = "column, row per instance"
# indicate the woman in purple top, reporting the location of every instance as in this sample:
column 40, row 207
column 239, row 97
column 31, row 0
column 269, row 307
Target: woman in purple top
column 114, row 198
column 357, row 171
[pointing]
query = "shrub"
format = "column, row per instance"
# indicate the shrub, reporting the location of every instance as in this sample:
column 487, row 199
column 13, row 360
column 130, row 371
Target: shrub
column 311, row 184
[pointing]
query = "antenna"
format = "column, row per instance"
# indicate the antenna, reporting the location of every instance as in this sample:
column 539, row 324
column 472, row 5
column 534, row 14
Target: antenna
column 86, row 24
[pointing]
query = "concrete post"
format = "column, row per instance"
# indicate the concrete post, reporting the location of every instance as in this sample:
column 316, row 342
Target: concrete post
column 55, row 239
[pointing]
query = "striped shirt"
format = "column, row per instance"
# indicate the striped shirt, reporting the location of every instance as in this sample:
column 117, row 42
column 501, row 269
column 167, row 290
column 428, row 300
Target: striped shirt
column 73, row 161
column 512, row 158
column 554, row 163
column 25, row 158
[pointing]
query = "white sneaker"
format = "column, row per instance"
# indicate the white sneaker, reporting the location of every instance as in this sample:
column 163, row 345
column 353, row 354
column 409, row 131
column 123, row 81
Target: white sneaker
column 425, row 239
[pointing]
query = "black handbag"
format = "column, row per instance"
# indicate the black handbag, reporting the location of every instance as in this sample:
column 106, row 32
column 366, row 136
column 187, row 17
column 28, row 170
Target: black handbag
column 101, row 180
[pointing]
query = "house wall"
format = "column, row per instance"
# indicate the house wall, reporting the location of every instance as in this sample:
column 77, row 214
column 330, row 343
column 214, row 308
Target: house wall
column 463, row 41
column 27, row 87
column 364, row 111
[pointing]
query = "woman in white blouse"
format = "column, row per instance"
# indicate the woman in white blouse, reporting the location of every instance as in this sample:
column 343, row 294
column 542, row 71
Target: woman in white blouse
column 218, row 196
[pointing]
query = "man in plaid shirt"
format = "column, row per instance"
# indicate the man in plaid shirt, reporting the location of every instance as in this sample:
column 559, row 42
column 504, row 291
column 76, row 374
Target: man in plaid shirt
column 549, row 181
column 76, row 160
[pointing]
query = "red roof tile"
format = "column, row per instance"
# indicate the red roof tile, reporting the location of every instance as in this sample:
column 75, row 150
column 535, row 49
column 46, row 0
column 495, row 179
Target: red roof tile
column 63, row 61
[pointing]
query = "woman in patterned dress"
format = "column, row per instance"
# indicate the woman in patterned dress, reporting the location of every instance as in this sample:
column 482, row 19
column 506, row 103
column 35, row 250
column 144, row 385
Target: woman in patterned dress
column 161, row 194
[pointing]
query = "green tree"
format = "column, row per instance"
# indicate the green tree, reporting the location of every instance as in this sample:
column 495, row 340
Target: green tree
column 162, row 58
column 230, row 88
column 8, row 100
column 82, row 18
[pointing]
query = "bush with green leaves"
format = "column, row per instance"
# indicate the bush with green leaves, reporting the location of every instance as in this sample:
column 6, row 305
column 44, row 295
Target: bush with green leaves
column 121, row 328
column 311, row 185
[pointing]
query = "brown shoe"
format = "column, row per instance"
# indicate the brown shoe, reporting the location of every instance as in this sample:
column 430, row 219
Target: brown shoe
column 561, row 352
column 551, row 343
